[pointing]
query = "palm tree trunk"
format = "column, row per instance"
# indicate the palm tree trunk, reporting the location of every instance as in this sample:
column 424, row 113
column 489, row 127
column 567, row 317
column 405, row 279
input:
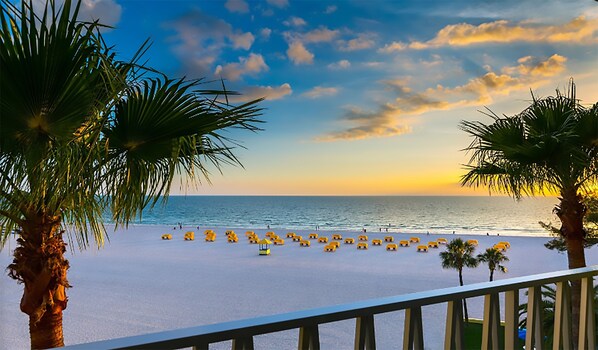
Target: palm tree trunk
column 466, row 317
column 40, row 265
column 571, row 213
column 491, row 275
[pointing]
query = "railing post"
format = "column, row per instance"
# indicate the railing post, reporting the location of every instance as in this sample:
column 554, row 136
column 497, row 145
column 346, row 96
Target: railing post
column 533, row 335
column 202, row 346
column 491, row 322
column 365, row 338
column 511, row 318
column 587, row 328
column 245, row 343
column 562, row 317
column 413, row 335
column 309, row 338
column 453, row 336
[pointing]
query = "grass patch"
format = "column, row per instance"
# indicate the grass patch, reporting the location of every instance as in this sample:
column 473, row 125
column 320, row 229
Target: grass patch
column 472, row 335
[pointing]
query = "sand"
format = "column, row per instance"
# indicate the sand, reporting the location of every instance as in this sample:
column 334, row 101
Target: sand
column 139, row 284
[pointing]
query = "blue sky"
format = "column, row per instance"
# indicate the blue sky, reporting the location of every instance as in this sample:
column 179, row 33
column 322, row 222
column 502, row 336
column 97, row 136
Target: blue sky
column 362, row 97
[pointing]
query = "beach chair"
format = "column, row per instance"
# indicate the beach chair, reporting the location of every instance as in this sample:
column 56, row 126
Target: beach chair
column 290, row 235
column 167, row 236
column 304, row 243
column 362, row 245
column 269, row 234
column 229, row 232
column 376, row 242
column 189, row 236
column 274, row 237
column 297, row 238
column 254, row 236
column 414, row 239
column 441, row 241
column 232, row 239
column 362, row 238
column 391, row 246
column 422, row 248
column 208, row 231
column 323, row 240
column 210, row 237
column 404, row 243
column 313, row 236
column 249, row 233
column 389, row 239
column 433, row 244
column 349, row 240
column 501, row 247
column 337, row 237
column 335, row 243
column 473, row 242
column 254, row 240
column 506, row 244
column 279, row 241
column 330, row 248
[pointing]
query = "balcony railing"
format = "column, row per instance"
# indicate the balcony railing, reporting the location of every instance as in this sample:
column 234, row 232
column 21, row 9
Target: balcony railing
column 242, row 332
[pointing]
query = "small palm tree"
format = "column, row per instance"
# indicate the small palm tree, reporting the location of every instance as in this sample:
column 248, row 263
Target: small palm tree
column 82, row 132
column 493, row 257
column 551, row 146
column 459, row 254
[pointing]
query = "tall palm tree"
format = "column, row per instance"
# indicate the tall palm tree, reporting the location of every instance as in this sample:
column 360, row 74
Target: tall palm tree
column 459, row 254
column 493, row 257
column 551, row 146
column 82, row 132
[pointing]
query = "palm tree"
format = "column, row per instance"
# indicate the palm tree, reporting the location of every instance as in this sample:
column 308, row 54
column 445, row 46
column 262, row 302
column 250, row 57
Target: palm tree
column 551, row 146
column 493, row 257
column 459, row 254
column 82, row 132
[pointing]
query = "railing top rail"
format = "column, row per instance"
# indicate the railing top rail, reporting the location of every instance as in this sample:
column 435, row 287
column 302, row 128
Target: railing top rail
column 192, row 336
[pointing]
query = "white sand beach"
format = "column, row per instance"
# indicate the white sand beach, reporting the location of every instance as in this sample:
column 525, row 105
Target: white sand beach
column 139, row 283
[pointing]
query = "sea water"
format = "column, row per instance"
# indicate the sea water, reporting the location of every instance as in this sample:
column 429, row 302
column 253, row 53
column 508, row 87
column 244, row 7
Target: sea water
column 417, row 214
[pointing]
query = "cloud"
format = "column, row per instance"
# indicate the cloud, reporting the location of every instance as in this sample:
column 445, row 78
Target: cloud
column 239, row 6
column 319, row 35
column 320, row 91
column 267, row 92
column 361, row 42
column 294, row 22
column 265, row 33
column 364, row 125
column 247, row 65
column 199, row 39
column 299, row 54
column 330, row 9
column 108, row 12
column 342, row 64
column 278, row 3
column 580, row 30
column 389, row 118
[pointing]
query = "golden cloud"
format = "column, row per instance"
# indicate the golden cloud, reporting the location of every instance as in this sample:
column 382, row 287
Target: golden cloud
column 580, row 30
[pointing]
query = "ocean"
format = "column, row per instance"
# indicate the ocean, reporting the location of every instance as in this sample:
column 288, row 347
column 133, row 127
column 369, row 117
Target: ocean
column 413, row 214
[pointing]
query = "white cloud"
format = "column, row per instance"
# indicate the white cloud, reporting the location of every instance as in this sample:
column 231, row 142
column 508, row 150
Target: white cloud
column 239, row 6
column 320, row 91
column 299, row 54
column 269, row 93
column 361, row 42
column 342, row 64
column 108, row 12
column 242, row 40
column 330, row 9
column 319, row 35
column 247, row 65
column 265, row 33
column 278, row 3
column 294, row 22
column 199, row 40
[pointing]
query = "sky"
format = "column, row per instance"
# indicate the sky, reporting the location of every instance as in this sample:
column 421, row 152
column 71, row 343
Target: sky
column 362, row 97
